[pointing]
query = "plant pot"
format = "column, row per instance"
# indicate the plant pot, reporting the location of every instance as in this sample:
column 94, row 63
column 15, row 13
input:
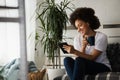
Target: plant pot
column 53, row 73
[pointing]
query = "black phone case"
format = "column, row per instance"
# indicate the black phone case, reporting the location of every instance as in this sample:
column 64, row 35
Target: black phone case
column 91, row 40
column 61, row 46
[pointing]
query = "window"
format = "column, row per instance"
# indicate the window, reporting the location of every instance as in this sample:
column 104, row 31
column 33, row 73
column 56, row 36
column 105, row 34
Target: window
column 9, row 31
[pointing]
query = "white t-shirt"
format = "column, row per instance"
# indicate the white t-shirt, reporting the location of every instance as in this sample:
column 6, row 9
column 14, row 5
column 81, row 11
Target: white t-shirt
column 100, row 44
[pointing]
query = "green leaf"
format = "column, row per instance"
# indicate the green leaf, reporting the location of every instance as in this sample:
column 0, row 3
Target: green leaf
column 53, row 19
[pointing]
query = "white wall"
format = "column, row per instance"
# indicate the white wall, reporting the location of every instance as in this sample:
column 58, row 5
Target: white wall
column 39, row 56
column 107, row 11
column 31, row 25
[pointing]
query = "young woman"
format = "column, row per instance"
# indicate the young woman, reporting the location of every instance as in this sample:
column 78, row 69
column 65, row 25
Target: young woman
column 90, row 59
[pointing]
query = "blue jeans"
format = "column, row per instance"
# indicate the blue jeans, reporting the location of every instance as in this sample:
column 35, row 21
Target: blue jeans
column 79, row 67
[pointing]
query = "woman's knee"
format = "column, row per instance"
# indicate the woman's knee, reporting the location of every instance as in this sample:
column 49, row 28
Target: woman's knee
column 80, row 59
column 68, row 60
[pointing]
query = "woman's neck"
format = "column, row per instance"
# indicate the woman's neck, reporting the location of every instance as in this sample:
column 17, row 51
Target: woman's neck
column 91, row 33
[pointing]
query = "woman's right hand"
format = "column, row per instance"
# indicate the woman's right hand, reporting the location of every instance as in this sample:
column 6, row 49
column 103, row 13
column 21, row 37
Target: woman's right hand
column 84, row 42
column 69, row 48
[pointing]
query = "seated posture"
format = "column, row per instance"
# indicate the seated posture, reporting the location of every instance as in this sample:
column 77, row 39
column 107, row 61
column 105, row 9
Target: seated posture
column 89, row 46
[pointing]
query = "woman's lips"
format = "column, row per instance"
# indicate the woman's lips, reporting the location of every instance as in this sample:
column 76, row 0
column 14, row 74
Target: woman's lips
column 81, row 32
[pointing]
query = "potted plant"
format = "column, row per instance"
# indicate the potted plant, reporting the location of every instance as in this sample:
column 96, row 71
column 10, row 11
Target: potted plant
column 53, row 20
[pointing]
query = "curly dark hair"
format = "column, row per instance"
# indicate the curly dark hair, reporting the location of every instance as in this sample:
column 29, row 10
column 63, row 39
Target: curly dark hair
column 87, row 15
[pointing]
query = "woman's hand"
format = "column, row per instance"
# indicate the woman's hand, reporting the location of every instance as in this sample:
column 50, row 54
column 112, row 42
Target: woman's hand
column 69, row 48
column 84, row 42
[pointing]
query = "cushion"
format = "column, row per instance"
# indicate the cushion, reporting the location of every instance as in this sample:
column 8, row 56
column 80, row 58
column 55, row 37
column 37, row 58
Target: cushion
column 99, row 76
column 113, row 54
column 32, row 67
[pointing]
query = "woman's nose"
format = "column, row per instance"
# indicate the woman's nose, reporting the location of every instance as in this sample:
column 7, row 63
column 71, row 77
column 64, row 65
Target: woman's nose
column 79, row 29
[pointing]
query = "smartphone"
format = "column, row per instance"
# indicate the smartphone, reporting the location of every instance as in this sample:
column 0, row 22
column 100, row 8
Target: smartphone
column 91, row 40
column 61, row 47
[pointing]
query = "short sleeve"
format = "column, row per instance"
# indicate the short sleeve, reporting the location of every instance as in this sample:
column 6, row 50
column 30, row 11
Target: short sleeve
column 101, row 42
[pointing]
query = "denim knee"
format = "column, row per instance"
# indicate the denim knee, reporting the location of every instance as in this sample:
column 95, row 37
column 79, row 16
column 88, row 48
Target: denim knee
column 80, row 59
column 67, row 60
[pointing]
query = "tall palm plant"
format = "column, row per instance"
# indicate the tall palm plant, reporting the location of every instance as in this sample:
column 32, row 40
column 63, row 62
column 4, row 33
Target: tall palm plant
column 53, row 20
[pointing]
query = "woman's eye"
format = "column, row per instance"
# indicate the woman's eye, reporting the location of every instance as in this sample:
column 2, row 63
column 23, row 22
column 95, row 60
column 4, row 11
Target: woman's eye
column 80, row 24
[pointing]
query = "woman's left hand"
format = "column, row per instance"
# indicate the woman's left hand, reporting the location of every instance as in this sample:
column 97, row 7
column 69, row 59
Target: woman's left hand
column 69, row 48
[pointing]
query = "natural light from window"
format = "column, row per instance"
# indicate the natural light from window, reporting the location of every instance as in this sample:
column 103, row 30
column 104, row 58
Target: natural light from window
column 9, row 33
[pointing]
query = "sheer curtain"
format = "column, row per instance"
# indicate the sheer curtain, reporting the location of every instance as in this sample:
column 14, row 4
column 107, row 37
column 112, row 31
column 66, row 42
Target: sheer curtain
column 9, row 31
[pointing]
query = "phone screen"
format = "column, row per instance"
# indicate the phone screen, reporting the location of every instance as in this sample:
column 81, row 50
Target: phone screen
column 61, row 47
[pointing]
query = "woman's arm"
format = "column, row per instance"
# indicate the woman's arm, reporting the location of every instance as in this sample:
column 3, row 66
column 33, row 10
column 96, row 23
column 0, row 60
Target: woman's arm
column 100, row 46
column 92, row 56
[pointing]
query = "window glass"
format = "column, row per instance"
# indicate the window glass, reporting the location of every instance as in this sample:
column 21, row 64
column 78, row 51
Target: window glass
column 9, row 32
column 2, row 2
column 9, row 42
column 13, row 3
column 9, row 13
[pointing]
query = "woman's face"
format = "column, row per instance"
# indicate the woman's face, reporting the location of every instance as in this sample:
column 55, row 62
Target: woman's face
column 82, row 27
